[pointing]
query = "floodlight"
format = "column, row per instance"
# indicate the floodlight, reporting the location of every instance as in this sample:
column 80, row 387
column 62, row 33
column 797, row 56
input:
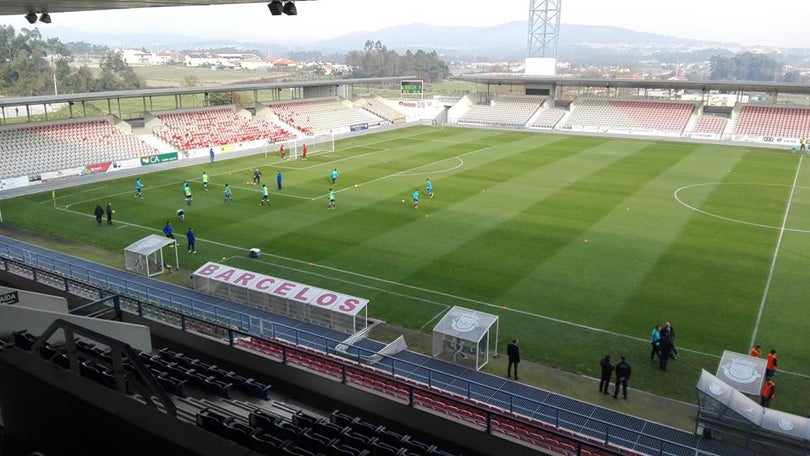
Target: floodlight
column 45, row 17
column 290, row 9
column 31, row 18
column 275, row 7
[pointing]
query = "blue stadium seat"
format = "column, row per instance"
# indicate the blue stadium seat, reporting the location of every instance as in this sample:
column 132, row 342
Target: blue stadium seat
column 304, row 419
column 262, row 419
column 296, row 451
column 265, row 443
column 383, row 449
column 172, row 385
column 217, row 387
column 254, row 388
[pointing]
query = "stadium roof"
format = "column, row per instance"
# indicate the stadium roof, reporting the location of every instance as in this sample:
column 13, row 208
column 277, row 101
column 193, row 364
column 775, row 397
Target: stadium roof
column 176, row 91
column 730, row 86
column 13, row 7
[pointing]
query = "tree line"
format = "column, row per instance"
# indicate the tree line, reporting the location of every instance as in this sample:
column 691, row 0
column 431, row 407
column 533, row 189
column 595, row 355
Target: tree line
column 749, row 66
column 31, row 66
column 376, row 60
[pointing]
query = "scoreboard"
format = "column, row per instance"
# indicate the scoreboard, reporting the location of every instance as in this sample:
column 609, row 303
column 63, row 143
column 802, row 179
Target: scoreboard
column 411, row 87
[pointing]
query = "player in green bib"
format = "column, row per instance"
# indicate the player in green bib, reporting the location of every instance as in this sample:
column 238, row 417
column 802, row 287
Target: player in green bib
column 332, row 196
column 205, row 180
column 265, row 196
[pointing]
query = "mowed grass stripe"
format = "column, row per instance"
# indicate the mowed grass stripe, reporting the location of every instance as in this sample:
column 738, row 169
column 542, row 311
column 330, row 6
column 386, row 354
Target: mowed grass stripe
column 786, row 315
column 590, row 279
column 711, row 277
column 546, row 217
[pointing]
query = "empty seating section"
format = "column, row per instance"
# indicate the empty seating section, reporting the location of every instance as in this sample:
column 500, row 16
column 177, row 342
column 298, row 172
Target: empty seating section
column 175, row 370
column 773, row 121
column 507, row 111
column 631, row 116
column 380, row 109
column 36, row 149
column 215, row 127
column 547, row 118
column 319, row 117
column 301, row 433
column 710, row 124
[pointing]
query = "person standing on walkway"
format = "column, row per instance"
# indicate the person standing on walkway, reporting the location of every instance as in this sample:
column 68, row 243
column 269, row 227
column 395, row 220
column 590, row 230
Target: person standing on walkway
column 607, row 372
column 768, row 392
column 665, row 352
column 513, row 353
column 770, row 364
column 191, row 240
column 211, row 154
column 655, row 341
column 623, row 372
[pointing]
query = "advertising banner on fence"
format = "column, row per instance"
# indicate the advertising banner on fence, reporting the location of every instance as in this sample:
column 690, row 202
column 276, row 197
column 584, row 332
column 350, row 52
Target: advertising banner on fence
column 358, row 127
column 14, row 182
column 61, row 174
column 158, row 158
column 97, row 168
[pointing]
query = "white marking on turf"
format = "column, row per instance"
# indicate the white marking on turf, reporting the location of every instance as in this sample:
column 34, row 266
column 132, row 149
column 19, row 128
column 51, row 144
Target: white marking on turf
column 729, row 219
column 458, row 165
column 776, row 253
column 404, row 285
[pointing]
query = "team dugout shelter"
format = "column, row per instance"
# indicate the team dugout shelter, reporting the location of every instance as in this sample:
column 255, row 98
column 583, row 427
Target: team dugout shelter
column 462, row 337
column 328, row 309
column 146, row 257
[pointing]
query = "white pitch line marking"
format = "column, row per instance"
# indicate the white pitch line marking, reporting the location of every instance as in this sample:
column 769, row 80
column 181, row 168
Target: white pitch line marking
column 776, row 253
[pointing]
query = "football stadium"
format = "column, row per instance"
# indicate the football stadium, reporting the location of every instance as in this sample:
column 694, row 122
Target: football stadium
column 341, row 273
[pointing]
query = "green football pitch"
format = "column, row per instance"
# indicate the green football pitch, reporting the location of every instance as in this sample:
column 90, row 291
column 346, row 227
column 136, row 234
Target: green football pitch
column 579, row 244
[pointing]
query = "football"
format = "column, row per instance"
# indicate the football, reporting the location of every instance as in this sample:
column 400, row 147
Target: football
column 113, row 211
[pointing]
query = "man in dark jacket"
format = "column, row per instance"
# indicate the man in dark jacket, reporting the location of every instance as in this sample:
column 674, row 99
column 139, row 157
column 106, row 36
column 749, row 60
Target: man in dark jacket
column 110, row 213
column 666, row 351
column 513, row 353
column 623, row 372
column 607, row 371
column 98, row 212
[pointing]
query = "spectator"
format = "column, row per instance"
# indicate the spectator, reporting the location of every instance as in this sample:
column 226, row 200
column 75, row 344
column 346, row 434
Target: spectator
column 607, row 372
column 513, row 353
column 623, row 371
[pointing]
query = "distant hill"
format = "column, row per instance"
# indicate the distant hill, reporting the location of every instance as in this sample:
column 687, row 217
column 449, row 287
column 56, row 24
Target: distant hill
column 505, row 41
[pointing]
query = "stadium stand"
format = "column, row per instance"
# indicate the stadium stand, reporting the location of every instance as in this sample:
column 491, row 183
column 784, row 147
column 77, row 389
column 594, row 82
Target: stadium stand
column 195, row 129
column 55, row 146
column 380, row 108
column 322, row 116
column 506, row 111
column 547, row 118
column 713, row 125
column 772, row 121
column 654, row 117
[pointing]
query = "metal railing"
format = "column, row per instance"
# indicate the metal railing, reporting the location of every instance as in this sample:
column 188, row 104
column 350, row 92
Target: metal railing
column 228, row 325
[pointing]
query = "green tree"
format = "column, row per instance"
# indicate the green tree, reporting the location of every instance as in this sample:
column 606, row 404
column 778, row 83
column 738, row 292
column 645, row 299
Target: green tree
column 116, row 74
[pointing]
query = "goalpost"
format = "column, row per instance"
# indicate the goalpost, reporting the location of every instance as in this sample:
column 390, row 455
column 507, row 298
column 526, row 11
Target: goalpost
column 316, row 145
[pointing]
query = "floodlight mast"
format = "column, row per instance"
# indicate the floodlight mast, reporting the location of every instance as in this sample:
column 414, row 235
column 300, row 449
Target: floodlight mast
column 544, row 34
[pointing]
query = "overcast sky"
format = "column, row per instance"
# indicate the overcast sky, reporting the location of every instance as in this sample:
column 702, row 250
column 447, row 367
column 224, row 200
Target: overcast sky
column 749, row 22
